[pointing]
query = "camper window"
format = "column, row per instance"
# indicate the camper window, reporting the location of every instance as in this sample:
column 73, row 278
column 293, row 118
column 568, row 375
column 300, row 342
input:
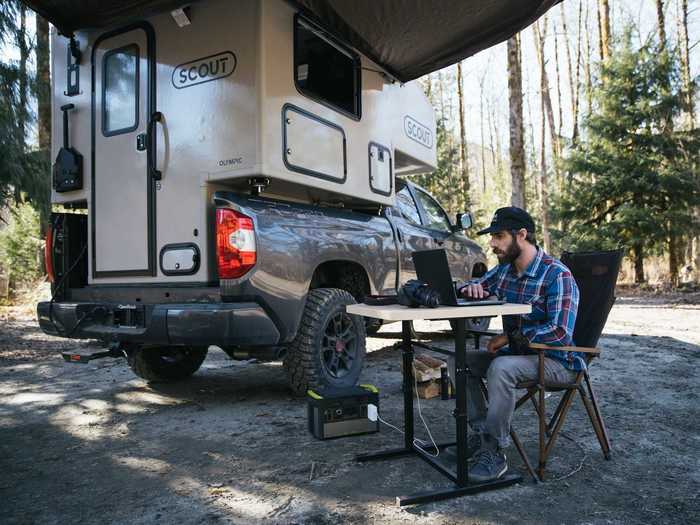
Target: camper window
column 120, row 81
column 325, row 71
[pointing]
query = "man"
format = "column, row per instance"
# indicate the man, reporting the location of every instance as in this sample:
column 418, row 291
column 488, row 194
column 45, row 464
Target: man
column 525, row 274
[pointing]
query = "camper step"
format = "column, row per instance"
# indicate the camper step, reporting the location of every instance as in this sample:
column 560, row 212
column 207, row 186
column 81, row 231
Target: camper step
column 86, row 357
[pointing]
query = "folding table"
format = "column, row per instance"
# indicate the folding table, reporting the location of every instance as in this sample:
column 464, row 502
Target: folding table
column 457, row 473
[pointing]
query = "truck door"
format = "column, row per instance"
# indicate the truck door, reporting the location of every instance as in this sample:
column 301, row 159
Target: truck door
column 438, row 225
column 123, row 189
column 412, row 236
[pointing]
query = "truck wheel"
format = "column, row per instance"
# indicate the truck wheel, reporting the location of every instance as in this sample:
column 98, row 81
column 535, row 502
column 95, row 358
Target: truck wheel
column 474, row 323
column 166, row 363
column 329, row 348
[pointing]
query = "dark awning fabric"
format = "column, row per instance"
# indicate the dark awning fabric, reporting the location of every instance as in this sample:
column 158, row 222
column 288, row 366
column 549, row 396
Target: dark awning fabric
column 411, row 38
column 408, row 38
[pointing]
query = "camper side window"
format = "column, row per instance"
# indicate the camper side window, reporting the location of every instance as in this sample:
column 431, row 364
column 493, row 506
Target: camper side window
column 120, row 88
column 325, row 71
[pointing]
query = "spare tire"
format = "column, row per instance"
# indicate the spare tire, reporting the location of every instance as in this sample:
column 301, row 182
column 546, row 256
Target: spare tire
column 166, row 363
column 329, row 348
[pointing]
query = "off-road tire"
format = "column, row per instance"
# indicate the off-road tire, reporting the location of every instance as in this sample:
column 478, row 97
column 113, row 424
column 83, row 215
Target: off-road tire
column 306, row 363
column 473, row 323
column 164, row 364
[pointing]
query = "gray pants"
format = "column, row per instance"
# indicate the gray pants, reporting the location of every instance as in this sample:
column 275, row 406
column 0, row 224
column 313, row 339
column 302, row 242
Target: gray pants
column 502, row 373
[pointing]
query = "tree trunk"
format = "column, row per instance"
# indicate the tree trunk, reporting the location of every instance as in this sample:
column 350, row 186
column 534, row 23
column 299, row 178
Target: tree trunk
column 587, row 66
column 463, row 154
column 673, row 256
column 694, row 244
column 662, row 24
column 515, row 103
column 557, row 80
column 685, row 62
column 43, row 83
column 573, row 78
column 604, row 29
column 540, row 37
column 481, row 124
column 638, row 249
column 543, row 181
column 23, row 75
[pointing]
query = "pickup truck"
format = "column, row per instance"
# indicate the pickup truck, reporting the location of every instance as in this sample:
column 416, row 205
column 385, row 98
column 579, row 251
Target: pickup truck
column 280, row 295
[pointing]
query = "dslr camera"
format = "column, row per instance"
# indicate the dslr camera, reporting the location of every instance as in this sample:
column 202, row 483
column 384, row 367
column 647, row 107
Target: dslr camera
column 417, row 293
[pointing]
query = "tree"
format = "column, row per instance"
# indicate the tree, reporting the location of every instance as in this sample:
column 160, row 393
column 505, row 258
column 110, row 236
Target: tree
column 635, row 176
column 515, row 102
column 463, row 153
column 604, row 29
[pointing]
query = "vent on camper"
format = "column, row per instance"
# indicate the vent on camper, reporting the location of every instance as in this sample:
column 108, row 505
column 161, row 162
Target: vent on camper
column 235, row 243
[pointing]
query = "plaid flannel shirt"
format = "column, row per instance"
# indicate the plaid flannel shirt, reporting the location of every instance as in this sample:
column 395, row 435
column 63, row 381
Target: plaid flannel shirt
column 548, row 286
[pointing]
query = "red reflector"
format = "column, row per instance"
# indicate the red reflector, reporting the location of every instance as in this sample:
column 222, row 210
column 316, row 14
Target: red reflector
column 235, row 243
column 48, row 255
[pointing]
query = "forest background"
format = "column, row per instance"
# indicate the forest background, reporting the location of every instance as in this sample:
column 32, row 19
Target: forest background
column 588, row 118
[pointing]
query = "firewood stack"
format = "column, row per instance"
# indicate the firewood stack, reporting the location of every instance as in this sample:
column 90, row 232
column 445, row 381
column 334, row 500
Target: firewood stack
column 428, row 371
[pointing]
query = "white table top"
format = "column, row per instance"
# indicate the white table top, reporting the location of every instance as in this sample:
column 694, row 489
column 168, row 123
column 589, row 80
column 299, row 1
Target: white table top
column 397, row 312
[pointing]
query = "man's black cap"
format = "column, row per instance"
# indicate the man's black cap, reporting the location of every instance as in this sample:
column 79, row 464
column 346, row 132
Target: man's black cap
column 509, row 218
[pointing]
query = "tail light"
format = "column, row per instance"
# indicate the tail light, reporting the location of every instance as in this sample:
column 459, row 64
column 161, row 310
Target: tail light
column 48, row 254
column 235, row 243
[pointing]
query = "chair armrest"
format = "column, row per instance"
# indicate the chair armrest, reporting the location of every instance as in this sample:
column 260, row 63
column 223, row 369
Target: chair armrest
column 583, row 349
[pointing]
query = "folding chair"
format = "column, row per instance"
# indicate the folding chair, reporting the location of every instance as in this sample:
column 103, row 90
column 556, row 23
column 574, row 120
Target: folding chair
column 596, row 275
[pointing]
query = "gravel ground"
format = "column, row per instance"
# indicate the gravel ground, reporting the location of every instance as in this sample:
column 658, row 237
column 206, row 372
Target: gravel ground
column 93, row 444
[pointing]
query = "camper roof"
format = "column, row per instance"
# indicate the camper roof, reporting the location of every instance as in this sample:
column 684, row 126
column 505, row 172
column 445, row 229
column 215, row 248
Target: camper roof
column 408, row 38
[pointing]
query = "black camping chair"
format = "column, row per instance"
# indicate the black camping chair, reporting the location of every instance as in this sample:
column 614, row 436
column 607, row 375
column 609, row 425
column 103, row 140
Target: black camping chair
column 596, row 275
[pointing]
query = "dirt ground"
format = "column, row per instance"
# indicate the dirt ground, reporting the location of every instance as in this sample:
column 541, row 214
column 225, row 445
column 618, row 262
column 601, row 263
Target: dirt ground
column 94, row 444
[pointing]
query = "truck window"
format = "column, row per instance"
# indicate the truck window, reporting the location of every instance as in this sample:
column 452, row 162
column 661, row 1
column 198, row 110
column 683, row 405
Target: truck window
column 120, row 87
column 437, row 220
column 407, row 206
column 325, row 71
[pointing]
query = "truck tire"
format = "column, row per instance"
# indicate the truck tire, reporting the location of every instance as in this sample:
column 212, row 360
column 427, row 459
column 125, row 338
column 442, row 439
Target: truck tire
column 474, row 323
column 329, row 348
column 166, row 363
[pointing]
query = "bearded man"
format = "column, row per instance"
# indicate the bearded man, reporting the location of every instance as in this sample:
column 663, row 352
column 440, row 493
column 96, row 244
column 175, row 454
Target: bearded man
column 525, row 274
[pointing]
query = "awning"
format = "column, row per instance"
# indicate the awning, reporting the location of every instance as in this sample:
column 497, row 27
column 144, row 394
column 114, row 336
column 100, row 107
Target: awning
column 408, row 38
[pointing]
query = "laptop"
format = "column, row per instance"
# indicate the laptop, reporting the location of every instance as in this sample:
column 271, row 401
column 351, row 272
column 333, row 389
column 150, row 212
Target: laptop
column 432, row 268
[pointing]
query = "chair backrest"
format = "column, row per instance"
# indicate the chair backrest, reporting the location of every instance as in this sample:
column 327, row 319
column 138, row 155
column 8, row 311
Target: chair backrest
column 596, row 275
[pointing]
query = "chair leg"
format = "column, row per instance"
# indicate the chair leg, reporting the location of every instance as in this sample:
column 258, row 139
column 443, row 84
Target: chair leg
column 525, row 397
column 565, row 406
column 542, row 415
column 595, row 422
column 596, row 409
column 556, row 415
column 523, row 455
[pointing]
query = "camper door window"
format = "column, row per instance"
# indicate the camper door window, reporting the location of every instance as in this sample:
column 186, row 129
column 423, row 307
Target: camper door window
column 120, row 90
column 325, row 71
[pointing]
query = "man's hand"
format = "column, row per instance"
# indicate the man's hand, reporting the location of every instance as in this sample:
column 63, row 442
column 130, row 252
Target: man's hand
column 473, row 291
column 496, row 343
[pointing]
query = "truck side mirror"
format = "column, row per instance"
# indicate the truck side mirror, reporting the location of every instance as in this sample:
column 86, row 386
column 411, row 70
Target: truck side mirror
column 464, row 221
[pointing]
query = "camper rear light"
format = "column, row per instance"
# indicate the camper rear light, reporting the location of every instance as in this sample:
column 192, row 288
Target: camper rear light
column 235, row 243
column 48, row 255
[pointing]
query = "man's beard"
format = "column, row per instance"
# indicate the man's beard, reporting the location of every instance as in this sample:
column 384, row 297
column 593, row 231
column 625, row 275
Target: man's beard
column 512, row 252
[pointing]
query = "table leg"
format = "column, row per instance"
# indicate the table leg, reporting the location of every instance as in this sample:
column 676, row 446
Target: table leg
column 461, row 401
column 407, row 384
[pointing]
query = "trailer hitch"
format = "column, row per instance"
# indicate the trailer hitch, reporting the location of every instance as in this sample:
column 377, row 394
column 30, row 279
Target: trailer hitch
column 115, row 350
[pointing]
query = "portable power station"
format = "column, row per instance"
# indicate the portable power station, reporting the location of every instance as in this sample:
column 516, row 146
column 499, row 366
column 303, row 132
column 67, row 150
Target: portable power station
column 339, row 412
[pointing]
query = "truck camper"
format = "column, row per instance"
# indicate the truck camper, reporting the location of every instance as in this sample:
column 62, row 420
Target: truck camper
column 231, row 173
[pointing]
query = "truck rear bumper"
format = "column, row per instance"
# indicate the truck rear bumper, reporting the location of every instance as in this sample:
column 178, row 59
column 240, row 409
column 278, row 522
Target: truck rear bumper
column 221, row 324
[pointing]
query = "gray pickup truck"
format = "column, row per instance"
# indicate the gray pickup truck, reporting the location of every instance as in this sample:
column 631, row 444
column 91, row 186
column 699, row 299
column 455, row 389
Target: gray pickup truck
column 289, row 303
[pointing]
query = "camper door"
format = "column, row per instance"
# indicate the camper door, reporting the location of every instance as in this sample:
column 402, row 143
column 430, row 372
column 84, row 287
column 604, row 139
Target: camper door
column 123, row 185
